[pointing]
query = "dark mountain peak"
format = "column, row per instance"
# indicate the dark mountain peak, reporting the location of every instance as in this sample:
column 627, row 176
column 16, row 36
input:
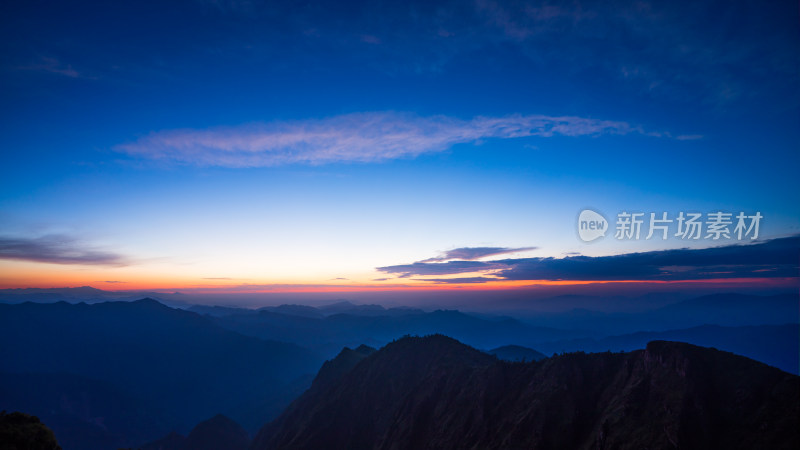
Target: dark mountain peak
column 699, row 365
column 295, row 310
column 517, row 353
column 345, row 303
column 218, row 419
column 219, row 311
column 337, row 306
column 448, row 312
column 172, row 441
column 149, row 302
column 371, row 392
column 365, row 350
column 216, row 433
column 420, row 354
column 147, row 307
column 669, row 395
column 428, row 341
column 335, row 368
column 346, row 307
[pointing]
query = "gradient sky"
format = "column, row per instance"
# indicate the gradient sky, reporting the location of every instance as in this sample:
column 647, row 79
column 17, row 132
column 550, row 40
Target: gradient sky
column 244, row 146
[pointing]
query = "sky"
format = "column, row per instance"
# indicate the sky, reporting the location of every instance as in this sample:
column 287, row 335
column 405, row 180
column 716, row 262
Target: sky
column 244, row 147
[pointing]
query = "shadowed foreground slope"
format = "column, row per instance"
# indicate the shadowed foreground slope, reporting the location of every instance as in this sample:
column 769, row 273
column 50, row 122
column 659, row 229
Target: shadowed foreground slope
column 435, row 392
column 23, row 431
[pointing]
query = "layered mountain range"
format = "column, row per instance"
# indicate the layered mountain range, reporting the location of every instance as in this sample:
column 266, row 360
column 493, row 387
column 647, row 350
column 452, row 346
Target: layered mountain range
column 124, row 373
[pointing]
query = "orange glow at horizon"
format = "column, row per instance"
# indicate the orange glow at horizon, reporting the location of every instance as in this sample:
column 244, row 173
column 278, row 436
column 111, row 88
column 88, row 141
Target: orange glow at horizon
column 148, row 282
column 17, row 274
column 488, row 286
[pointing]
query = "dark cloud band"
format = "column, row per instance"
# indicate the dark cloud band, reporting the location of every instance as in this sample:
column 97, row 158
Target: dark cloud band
column 776, row 258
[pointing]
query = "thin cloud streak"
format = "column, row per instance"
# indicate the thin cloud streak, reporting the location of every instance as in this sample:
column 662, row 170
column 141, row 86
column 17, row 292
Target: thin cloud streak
column 466, row 280
column 359, row 137
column 57, row 249
column 53, row 65
column 472, row 253
column 440, row 268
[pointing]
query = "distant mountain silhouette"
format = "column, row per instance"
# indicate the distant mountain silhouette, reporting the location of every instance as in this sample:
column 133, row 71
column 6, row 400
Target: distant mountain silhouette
column 733, row 310
column 517, row 353
column 729, row 309
column 331, row 333
column 771, row 344
column 20, row 431
column 172, row 441
column 776, row 345
column 434, row 392
column 319, row 312
column 83, row 294
column 604, row 303
column 295, row 310
column 176, row 364
column 219, row 311
column 216, row 433
column 346, row 307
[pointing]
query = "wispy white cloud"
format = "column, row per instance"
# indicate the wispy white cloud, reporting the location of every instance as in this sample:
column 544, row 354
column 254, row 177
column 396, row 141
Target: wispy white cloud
column 689, row 137
column 58, row 249
column 443, row 268
column 473, row 253
column 358, row 137
column 53, row 65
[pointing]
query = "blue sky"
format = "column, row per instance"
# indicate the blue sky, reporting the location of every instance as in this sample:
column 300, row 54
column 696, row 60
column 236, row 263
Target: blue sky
column 227, row 143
